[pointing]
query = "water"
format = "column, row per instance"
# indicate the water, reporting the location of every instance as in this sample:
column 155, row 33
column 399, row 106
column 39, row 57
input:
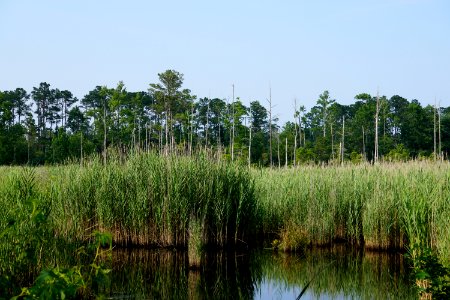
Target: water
column 332, row 273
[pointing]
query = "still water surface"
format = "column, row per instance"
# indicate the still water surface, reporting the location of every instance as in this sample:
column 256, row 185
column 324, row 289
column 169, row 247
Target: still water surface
column 332, row 273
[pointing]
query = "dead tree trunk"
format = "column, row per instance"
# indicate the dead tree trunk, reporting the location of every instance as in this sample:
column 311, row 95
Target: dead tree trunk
column 376, row 128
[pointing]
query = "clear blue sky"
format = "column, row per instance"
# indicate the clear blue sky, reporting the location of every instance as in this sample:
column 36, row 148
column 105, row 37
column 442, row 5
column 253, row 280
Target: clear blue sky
column 300, row 48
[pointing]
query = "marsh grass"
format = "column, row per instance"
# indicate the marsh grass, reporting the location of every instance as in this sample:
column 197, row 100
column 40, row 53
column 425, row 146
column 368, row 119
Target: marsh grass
column 387, row 206
column 164, row 201
column 24, row 229
column 146, row 200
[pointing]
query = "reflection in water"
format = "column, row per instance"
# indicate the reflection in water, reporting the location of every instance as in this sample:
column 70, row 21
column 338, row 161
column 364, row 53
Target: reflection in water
column 334, row 274
column 164, row 274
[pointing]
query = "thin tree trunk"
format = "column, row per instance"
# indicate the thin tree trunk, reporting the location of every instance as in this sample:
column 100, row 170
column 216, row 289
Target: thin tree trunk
column 376, row 128
column 439, row 131
column 250, row 141
column 295, row 126
column 172, row 137
column 161, row 139
column 173, row 143
column 149, row 143
column 332, row 141
column 304, row 136
column 218, row 137
column 232, row 131
column 133, row 138
column 207, row 125
column 434, row 130
column 270, row 126
column 343, row 139
column 250, row 147
column 295, row 148
column 300, row 129
column 139, row 133
column 192, row 129
column 340, row 151
column 146, row 137
column 28, row 150
column 81, row 148
column 364, row 144
column 166, row 127
column 278, row 149
column 104, row 132
column 65, row 115
column 286, row 153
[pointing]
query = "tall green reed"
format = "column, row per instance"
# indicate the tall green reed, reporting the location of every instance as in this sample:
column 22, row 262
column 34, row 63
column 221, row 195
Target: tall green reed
column 179, row 201
column 151, row 200
column 384, row 206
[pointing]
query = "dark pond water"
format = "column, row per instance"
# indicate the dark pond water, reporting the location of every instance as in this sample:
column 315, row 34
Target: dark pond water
column 332, row 273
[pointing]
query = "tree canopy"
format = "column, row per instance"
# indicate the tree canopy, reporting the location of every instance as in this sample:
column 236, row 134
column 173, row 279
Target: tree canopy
column 50, row 125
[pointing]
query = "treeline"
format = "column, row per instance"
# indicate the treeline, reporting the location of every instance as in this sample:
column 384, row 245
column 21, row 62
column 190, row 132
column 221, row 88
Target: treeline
column 50, row 125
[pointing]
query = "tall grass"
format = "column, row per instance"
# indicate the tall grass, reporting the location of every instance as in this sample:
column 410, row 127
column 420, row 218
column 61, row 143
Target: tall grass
column 179, row 201
column 146, row 200
column 385, row 206
column 24, row 230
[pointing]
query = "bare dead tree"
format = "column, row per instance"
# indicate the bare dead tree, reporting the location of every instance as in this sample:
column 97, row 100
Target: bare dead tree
column 332, row 141
column 278, row 149
column 232, row 128
column 376, row 127
column 192, row 129
column 343, row 140
column 207, row 124
column 139, row 133
column 296, row 133
column 439, row 131
column 286, row 153
column 363, row 144
column 250, row 125
column 434, row 130
column 270, row 126
column 104, row 130
column 146, row 137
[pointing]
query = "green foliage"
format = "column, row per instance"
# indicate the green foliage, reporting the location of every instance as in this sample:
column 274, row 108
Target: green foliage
column 356, row 158
column 428, row 268
column 398, row 154
column 55, row 283
column 167, row 118
column 69, row 283
column 27, row 240
column 305, row 155
column 24, row 228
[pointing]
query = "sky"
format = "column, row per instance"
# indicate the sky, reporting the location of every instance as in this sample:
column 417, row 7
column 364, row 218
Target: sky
column 296, row 49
